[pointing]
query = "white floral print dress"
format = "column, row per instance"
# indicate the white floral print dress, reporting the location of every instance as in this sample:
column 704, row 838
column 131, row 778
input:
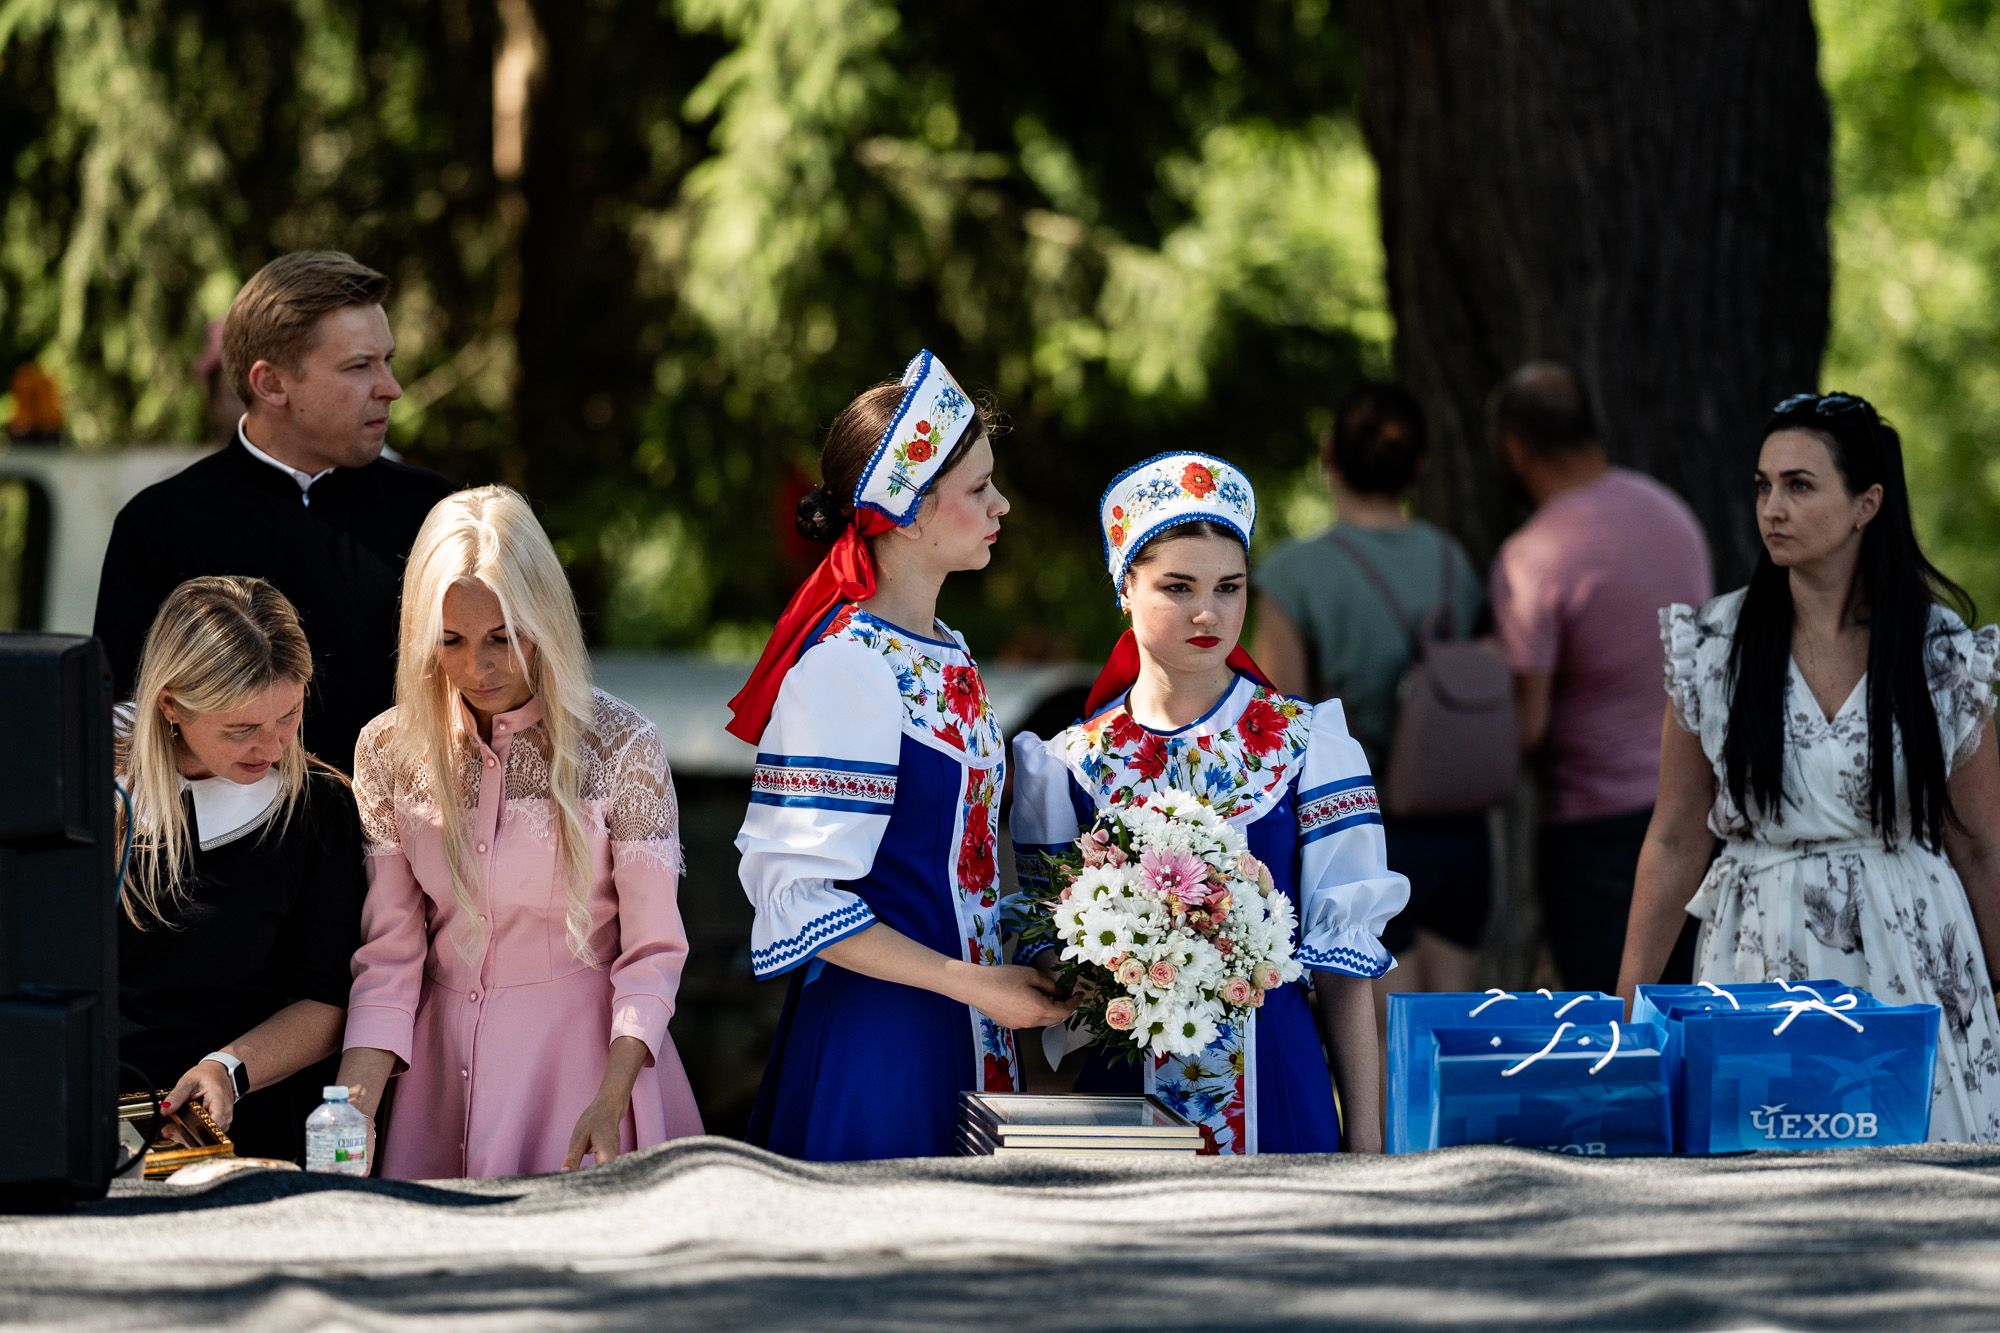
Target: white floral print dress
column 1818, row 895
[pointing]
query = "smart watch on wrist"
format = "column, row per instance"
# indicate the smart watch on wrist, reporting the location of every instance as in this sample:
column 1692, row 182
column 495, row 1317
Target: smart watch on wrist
column 239, row 1076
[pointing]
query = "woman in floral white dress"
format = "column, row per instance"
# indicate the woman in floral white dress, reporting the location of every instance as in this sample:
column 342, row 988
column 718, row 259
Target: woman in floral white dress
column 1832, row 724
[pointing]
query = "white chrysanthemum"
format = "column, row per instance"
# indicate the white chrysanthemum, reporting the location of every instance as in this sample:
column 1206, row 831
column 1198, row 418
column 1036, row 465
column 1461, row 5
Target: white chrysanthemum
column 1103, row 932
column 1187, row 1028
column 1160, row 1019
column 1153, row 1020
column 1200, row 964
column 1098, row 882
column 1068, row 918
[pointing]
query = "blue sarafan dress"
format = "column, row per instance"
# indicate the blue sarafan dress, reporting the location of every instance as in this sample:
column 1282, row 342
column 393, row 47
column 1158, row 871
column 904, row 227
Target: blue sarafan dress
column 1291, row 778
column 876, row 799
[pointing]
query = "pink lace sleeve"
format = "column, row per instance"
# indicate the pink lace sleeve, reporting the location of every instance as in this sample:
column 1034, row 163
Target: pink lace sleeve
column 389, row 966
column 644, row 820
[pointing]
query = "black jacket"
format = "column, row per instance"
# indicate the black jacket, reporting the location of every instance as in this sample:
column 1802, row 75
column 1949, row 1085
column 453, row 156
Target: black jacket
column 274, row 915
column 339, row 560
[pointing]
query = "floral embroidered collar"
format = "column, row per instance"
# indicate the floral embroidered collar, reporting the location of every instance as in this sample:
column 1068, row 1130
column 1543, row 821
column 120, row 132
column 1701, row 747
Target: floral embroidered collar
column 1238, row 758
column 944, row 701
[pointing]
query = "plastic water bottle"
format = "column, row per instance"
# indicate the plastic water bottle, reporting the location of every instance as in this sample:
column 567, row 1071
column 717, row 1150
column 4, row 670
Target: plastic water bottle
column 337, row 1136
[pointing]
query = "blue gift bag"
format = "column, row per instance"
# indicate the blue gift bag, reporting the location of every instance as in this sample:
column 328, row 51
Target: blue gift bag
column 1799, row 1074
column 1590, row 1089
column 1650, row 1003
column 1668, row 1005
column 1412, row 1056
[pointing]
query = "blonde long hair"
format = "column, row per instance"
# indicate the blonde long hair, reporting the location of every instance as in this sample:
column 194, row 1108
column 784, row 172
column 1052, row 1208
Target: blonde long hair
column 489, row 536
column 215, row 642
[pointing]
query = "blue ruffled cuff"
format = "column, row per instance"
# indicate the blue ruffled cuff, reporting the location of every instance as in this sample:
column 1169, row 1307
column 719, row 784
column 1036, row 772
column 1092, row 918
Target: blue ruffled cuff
column 781, row 956
column 1351, row 952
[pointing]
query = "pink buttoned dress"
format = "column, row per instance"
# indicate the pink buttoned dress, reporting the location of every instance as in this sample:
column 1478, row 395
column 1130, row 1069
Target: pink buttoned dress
column 500, row 1032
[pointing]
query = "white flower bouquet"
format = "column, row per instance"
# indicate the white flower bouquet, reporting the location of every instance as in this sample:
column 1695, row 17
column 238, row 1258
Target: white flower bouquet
column 1168, row 926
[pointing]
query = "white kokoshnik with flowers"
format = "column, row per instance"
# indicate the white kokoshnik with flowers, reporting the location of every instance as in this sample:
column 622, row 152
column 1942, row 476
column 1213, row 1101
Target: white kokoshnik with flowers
column 933, row 414
column 1145, row 500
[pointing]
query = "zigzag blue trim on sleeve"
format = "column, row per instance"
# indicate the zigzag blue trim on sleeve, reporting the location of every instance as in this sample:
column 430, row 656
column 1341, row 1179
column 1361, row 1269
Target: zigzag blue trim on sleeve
column 1352, row 962
column 822, row 930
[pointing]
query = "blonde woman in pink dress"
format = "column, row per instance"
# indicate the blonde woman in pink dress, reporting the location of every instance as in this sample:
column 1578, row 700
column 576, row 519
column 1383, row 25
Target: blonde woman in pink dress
column 523, row 941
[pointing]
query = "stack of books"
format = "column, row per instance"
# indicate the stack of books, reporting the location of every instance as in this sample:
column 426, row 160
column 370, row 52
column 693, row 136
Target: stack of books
column 1002, row 1124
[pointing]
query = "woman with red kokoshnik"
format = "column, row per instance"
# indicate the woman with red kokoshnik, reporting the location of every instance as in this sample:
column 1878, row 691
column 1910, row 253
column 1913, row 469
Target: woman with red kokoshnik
column 868, row 847
column 1180, row 706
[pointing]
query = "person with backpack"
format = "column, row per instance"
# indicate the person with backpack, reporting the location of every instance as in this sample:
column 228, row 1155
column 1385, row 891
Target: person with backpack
column 1378, row 611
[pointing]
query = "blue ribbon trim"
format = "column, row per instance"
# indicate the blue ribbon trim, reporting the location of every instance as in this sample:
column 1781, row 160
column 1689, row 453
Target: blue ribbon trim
column 1341, row 824
column 881, row 808
column 821, row 931
column 1317, row 793
column 818, row 761
column 1340, row 958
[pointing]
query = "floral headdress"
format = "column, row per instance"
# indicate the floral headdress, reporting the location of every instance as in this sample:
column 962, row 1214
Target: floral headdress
column 1142, row 502
column 933, row 415
column 1165, row 491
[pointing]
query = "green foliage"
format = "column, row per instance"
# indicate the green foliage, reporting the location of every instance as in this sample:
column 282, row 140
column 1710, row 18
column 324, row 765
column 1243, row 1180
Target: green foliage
column 1916, row 222
column 1181, row 258
column 13, row 551
column 163, row 151
column 1140, row 225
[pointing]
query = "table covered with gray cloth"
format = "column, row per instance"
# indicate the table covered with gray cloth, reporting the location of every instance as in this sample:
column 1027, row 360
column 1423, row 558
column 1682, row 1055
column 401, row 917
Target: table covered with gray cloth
column 713, row 1234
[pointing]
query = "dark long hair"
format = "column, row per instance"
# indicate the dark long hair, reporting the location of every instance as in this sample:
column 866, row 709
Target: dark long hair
column 1896, row 587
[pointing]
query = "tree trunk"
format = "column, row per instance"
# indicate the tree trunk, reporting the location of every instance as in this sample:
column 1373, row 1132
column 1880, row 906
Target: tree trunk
column 1639, row 190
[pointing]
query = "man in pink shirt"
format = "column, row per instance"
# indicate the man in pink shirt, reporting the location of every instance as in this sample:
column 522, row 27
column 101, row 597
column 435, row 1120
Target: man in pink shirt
column 1576, row 597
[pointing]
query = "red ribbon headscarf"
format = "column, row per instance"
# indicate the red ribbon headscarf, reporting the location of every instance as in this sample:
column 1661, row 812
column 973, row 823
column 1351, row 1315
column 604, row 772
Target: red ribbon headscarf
column 846, row 575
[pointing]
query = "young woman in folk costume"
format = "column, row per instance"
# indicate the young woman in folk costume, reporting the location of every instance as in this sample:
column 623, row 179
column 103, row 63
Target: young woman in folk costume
column 868, row 847
column 1180, row 705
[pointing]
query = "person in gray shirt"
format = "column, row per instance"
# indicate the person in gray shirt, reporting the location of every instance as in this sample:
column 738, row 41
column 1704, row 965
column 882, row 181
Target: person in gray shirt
column 1326, row 630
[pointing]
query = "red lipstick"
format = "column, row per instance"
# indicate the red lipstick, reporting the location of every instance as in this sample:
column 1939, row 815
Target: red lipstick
column 1204, row 641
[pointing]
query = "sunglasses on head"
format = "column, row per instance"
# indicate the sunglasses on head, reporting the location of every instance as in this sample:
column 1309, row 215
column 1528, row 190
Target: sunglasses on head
column 1824, row 405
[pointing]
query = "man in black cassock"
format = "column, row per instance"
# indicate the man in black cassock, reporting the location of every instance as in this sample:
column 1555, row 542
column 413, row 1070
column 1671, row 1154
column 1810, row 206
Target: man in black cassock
column 300, row 495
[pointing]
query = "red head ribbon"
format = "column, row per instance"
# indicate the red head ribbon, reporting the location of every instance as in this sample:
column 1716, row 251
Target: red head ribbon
column 846, row 575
